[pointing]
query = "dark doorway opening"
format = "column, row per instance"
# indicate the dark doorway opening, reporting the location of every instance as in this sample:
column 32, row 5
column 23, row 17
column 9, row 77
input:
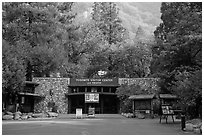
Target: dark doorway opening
column 108, row 104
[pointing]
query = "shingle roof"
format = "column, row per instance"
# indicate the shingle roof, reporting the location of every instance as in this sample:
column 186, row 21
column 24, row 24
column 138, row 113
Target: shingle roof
column 30, row 94
column 140, row 97
column 31, row 82
column 168, row 96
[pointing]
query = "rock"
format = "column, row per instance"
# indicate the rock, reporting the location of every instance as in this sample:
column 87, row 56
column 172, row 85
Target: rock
column 194, row 121
column 24, row 117
column 37, row 115
column 45, row 115
column 52, row 114
column 17, row 116
column 140, row 116
column 30, row 115
column 189, row 127
column 197, row 130
column 9, row 113
column 194, row 125
column 18, row 112
column 7, row 117
column 129, row 115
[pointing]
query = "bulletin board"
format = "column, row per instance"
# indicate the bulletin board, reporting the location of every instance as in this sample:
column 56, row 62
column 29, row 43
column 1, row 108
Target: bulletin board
column 167, row 110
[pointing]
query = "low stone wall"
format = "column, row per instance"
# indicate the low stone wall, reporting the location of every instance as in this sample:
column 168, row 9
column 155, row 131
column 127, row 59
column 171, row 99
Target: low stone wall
column 59, row 87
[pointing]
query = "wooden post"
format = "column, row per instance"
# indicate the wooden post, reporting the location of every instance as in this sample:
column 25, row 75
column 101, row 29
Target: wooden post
column 101, row 105
column 133, row 107
column 85, row 111
column 69, row 105
column 151, row 106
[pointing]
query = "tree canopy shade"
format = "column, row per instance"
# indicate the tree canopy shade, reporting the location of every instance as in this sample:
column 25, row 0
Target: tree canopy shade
column 13, row 69
column 177, row 54
column 180, row 35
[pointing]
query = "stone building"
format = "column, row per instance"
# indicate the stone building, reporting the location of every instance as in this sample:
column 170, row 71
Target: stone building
column 67, row 94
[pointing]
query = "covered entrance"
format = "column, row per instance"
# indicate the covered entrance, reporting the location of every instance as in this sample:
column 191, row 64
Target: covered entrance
column 103, row 90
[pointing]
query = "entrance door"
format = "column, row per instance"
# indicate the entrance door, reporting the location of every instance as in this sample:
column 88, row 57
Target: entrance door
column 110, row 105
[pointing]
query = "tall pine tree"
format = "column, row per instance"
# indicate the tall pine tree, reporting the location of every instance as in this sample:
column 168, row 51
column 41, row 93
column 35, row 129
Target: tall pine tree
column 105, row 15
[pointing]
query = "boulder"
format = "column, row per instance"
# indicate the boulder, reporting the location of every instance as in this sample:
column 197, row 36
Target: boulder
column 17, row 116
column 44, row 115
column 125, row 115
column 7, row 117
column 24, row 117
column 140, row 116
column 18, row 112
column 9, row 113
column 129, row 115
column 189, row 127
column 30, row 115
column 52, row 114
column 37, row 115
column 194, row 125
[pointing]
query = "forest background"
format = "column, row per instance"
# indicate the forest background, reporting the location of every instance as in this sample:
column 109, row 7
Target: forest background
column 123, row 39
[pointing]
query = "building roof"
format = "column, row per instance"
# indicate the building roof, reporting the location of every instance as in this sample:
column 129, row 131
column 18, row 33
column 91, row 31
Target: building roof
column 167, row 96
column 30, row 94
column 140, row 97
column 31, row 83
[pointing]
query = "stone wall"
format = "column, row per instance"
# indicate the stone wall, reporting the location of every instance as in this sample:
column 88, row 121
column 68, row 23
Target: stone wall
column 59, row 87
column 149, row 84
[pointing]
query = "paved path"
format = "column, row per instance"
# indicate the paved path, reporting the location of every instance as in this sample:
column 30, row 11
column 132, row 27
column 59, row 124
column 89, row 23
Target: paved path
column 103, row 125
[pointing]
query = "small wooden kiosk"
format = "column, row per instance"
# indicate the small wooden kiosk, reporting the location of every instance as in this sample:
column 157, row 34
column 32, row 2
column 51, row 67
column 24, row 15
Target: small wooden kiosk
column 142, row 103
column 168, row 99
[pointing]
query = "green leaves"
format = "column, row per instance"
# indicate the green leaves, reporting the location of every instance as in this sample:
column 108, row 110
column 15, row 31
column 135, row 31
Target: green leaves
column 177, row 56
column 13, row 69
column 105, row 15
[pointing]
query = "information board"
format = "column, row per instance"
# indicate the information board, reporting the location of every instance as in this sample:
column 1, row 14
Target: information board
column 167, row 110
column 91, row 98
column 94, row 82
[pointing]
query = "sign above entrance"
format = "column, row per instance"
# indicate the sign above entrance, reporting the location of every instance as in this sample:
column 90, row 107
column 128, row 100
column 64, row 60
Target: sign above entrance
column 91, row 98
column 93, row 82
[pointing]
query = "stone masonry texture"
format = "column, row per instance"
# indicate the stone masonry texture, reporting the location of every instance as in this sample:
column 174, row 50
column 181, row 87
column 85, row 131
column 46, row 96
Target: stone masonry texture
column 58, row 86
